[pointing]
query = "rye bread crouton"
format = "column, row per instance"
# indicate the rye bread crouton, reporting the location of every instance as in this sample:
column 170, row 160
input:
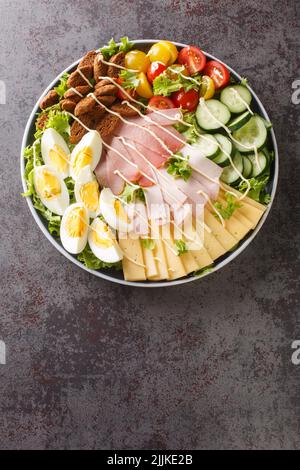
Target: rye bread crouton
column 124, row 110
column 77, row 131
column 68, row 105
column 88, row 59
column 107, row 125
column 72, row 95
column 75, row 79
column 100, row 69
column 49, row 100
column 118, row 59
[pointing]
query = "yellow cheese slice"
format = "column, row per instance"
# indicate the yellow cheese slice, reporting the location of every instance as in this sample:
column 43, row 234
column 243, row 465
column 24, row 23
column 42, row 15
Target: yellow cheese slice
column 189, row 262
column 222, row 234
column 159, row 254
column 151, row 265
column 236, row 228
column 213, row 247
column 250, row 209
column 246, row 199
column 175, row 266
column 238, row 214
column 202, row 258
column 133, row 265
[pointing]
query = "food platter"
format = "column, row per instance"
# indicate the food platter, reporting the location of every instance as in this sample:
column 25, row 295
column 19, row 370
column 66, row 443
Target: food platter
column 117, row 276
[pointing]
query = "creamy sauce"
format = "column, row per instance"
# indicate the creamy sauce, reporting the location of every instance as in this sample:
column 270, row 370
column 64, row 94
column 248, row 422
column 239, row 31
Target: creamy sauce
column 76, row 91
column 117, row 66
column 212, row 206
column 84, row 78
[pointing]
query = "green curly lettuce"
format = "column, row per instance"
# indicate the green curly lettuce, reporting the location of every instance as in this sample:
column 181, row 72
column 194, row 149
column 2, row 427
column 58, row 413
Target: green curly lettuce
column 88, row 258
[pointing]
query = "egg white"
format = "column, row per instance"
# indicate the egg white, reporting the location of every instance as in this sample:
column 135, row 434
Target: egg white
column 86, row 176
column 108, row 210
column 51, row 141
column 108, row 254
column 72, row 243
column 57, row 203
column 92, row 143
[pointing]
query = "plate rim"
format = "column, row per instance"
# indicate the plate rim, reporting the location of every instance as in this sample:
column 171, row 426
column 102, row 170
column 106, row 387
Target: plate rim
column 102, row 275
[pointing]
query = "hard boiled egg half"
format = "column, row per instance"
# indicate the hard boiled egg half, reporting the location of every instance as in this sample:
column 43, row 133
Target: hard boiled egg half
column 51, row 189
column 113, row 211
column 87, row 191
column 103, row 243
column 87, row 152
column 74, row 228
column 55, row 152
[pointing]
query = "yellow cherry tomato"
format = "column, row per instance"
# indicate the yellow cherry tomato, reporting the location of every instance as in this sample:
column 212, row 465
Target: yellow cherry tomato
column 173, row 51
column 159, row 52
column 137, row 60
column 207, row 89
column 144, row 88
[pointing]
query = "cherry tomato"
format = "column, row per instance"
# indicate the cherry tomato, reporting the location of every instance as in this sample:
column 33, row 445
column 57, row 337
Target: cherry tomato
column 193, row 58
column 207, row 89
column 218, row 73
column 144, row 88
column 137, row 60
column 159, row 52
column 121, row 95
column 186, row 99
column 173, row 51
column 155, row 69
column 160, row 102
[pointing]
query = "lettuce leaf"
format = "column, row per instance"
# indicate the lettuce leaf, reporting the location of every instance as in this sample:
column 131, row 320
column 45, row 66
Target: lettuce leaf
column 88, row 258
column 112, row 47
column 58, row 120
column 178, row 167
column 258, row 188
column 192, row 132
column 148, row 243
column 62, row 87
column 170, row 81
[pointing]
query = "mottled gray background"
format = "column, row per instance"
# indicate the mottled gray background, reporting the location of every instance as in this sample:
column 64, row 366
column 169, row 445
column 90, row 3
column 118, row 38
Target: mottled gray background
column 95, row 365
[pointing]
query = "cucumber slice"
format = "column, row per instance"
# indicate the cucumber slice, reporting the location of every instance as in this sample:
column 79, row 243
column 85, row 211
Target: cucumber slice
column 239, row 121
column 226, row 145
column 236, row 98
column 258, row 169
column 252, row 134
column 230, row 175
column 247, row 170
column 207, row 145
column 212, row 115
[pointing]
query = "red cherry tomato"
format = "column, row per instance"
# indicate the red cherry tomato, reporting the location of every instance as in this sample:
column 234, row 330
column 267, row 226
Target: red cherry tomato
column 186, row 99
column 155, row 69
column 121, row 95
column 217, row 72
column 193, row 58
column 160, row 102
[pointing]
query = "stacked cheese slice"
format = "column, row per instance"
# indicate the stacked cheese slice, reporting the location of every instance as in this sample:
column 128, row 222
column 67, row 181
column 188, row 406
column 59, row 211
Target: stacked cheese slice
column 161, row 263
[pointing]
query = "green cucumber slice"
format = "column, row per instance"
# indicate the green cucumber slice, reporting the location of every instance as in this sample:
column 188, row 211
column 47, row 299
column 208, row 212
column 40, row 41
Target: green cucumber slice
column 239, row 121
column 212, row 115
column 230, row 175
column 252, row 135
column 247, row 170
column 207, row 145
column 237, row 98
column 226, row 148
column 258, row 169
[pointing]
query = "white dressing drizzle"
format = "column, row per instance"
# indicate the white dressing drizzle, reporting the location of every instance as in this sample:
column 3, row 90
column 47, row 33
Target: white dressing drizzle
column 237, row 94
column 212, row 206
column 76, row 91
column 84, row 78
column 117, row 66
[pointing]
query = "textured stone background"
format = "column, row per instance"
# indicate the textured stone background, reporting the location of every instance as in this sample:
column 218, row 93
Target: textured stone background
column 95, row 365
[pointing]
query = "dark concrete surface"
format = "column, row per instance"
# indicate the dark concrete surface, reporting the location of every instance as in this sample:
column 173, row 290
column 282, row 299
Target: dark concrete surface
column 95, row 365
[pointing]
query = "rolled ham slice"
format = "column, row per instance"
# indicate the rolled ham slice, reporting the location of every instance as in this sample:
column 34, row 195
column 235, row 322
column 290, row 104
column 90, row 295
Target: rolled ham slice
column 200, row 163
column 165, row 117
column 156, row 207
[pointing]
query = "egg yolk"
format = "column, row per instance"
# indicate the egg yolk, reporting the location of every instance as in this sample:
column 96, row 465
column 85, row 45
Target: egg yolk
column 100, row 240
column 47, row 185
column 89, row 194
column 76, row 223
column 121, row 214
column 82, row 158
column 59, row 158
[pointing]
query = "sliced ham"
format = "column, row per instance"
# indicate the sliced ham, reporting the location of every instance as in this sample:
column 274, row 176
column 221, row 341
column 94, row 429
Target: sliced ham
column 200, row 163
column 155, row 158
column 190, row 187
column 210, row 187
column 156, row 208
column 172, row 138
column 171, row 193
column 114, row 162
column 165, row 117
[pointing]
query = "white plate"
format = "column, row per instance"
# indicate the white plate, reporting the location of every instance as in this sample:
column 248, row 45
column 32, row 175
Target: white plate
column 115, row 276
